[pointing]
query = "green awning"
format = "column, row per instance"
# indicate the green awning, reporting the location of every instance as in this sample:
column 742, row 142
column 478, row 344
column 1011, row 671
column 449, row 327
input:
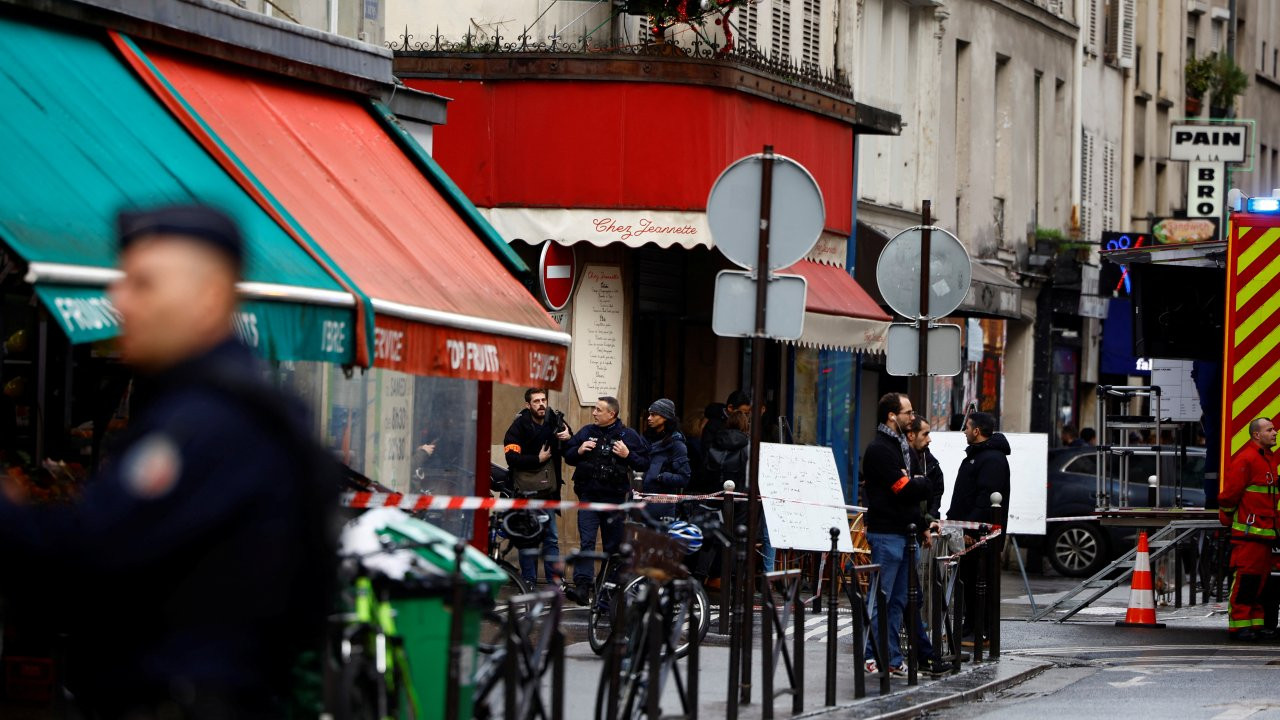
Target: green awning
column 82, row 137
column 278, row 330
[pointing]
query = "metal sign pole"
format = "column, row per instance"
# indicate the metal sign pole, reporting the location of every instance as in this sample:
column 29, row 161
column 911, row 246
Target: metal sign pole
column 926, row 240
column 757, row 397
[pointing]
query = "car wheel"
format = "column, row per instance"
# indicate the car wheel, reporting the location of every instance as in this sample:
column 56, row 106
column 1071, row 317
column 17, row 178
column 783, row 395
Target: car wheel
column 1077, row 549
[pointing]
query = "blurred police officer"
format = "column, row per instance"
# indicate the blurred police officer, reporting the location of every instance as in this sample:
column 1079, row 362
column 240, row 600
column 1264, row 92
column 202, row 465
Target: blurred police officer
column 193, row 552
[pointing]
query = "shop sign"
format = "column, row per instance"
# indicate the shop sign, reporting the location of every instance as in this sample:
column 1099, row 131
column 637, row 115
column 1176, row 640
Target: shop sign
column 1219, row 143
column 419, row 349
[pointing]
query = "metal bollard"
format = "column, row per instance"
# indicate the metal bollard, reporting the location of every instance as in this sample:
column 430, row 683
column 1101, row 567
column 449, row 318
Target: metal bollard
column 769, row 610
column 938, row 592
column 858, row 606
column 452, row 697
column 797, row 652
column 913, row 607
column 957, row 619
column 980, row 604
column 726, row 564
column 993, row 566
column 691, row 660
column 557, row 674
column 882, row 633
column 653, row 697
column 510, row 666
column 832, row 620
column 735, row 637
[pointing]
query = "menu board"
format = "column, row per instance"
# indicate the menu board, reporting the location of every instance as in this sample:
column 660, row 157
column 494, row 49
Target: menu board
column 597, row 319
column 802, row 498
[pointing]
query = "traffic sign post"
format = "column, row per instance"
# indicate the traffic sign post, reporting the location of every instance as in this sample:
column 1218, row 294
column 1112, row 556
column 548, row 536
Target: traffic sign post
column 790, row 202
column 923, row 273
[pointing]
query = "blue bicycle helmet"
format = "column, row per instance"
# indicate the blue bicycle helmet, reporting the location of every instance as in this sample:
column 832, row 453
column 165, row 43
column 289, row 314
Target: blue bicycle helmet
column 688, row 534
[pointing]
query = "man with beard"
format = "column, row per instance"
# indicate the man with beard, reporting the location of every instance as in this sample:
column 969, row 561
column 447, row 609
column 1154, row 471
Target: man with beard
column 893, row 497
column 534, row 448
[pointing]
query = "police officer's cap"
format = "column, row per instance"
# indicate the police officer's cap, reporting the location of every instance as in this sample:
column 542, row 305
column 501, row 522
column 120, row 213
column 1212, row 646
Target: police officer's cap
column 201, row 223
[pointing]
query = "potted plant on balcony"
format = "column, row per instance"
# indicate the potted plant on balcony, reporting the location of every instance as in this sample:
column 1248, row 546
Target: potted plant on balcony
column 1228, row 82
column 1198, row 75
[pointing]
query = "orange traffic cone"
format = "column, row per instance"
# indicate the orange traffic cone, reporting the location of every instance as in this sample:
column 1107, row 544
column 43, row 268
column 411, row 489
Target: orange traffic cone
column 1142, row 597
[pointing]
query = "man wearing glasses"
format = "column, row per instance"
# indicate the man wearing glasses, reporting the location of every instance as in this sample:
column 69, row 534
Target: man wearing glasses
column 893, row 498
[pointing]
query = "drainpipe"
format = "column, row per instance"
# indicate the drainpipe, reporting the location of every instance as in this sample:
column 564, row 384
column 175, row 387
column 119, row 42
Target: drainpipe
column 1231, row 30
column 1077, row 114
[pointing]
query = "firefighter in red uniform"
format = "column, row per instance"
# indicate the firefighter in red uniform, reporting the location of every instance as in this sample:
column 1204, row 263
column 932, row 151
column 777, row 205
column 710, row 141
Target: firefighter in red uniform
column 1248, row 503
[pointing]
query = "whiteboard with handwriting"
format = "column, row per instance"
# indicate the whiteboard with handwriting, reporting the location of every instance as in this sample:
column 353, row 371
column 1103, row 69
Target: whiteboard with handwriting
column 802, row 498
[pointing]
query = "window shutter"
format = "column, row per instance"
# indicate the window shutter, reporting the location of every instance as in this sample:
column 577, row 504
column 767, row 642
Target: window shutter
column 1087, row 226
column 811, row 52
column 1121, row 17
column 1108, row 200
column 781, row 44
column 1092, row 38
column 749, row 25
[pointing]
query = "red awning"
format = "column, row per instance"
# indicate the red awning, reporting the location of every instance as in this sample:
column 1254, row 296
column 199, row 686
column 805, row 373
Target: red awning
column 445, row 305
column 839, row 314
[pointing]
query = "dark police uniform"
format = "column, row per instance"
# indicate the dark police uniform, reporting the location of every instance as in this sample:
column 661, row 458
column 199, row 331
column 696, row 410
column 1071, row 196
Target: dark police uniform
column 184, row 555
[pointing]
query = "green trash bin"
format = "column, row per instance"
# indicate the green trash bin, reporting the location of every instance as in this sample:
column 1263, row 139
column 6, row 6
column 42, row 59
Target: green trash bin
column 423, row 614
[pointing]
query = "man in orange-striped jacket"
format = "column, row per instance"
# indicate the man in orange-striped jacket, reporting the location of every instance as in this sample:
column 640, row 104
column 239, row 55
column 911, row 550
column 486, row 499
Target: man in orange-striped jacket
column 1248, row 505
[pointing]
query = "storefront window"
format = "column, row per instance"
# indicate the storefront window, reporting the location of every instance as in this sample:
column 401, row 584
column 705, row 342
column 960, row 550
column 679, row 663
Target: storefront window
column 412, row 434
column 1065, row 372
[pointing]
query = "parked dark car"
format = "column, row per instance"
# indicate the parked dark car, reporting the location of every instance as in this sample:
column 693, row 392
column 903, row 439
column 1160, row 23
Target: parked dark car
column 1081, row 548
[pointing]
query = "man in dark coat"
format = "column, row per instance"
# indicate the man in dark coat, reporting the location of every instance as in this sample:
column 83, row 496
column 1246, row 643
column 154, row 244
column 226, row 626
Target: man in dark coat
column 195, row 543
column 985, row 470
column 892, row 498
column 603, row 454
column 534, row 443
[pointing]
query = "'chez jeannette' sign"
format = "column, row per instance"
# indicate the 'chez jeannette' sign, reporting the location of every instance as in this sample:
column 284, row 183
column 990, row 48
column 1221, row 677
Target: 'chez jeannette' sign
column 1216, row 143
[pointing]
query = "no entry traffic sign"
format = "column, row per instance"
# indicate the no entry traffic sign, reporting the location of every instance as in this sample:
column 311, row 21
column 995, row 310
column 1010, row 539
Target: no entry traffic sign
column 557, row 269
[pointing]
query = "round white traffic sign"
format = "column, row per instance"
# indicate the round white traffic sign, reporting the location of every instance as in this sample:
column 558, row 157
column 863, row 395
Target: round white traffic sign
column 797, row 214
column 898, row 273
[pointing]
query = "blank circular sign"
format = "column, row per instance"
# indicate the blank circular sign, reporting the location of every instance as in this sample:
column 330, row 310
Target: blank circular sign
column 797, row 214
column 898, row 273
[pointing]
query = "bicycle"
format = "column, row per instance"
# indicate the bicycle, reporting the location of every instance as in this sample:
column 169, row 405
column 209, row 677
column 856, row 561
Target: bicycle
column 656, row 605
column 514, row 530
column 609, row 584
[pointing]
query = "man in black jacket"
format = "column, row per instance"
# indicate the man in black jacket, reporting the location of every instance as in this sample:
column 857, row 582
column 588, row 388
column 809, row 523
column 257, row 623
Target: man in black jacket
column 919, row 435
column 603, row 454
column 893, row 500
column 534, row 447
column 985, row 470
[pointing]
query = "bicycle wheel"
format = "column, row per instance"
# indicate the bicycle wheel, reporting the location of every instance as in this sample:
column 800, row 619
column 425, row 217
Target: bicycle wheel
column 633, row 674
column 697, row 605
column 600, row 618
column 493, row 623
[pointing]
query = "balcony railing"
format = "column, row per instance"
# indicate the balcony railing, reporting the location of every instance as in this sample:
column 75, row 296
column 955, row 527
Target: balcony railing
column 782, row 68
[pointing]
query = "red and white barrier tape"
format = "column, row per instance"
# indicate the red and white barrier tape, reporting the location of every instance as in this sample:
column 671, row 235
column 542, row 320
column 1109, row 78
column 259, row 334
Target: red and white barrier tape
column 414, row 502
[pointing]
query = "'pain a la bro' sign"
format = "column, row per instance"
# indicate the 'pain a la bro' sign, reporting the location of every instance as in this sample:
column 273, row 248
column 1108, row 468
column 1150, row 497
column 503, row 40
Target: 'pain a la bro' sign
column 1209, row 142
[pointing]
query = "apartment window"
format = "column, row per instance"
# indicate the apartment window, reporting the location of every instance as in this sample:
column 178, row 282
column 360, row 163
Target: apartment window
column 1262, row 66
column 1275, row 59
column 1159, row 71
column 811, row 50
column 1218, row 28
column 1094, row 26
column 964, row 77
column 781, row 15
column 1264, row 171
column 1275, row 164
column 1193, row 24
column 997, row 219
column 1162, row 189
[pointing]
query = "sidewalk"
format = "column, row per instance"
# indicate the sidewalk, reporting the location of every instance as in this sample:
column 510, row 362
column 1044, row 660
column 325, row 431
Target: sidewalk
column 583, row 669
